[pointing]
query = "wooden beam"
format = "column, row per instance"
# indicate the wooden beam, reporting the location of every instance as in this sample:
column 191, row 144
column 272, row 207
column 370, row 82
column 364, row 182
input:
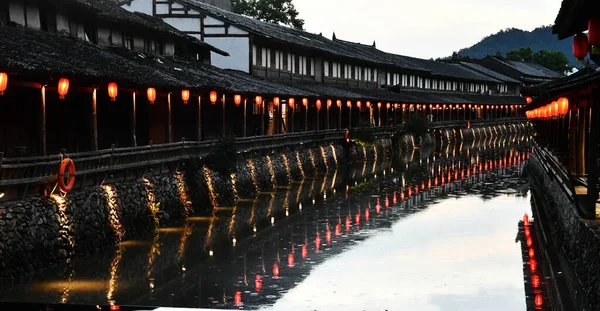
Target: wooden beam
column 169, row 124
column 199, row 118
column 43, row 129
column 94, row 122
column 133, row 124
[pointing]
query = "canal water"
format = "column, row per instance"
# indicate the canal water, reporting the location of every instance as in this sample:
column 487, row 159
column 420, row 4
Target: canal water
column 430, row 230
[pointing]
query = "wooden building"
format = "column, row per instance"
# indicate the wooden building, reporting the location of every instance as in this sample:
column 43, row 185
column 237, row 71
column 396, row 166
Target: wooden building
column 528, row 73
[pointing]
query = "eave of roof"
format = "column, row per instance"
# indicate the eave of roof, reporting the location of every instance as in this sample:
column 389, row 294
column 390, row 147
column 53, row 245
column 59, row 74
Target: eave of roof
column 573, row 17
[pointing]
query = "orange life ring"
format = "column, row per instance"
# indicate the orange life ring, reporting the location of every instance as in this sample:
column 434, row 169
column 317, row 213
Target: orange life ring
column 66, row 165
column 347, row 136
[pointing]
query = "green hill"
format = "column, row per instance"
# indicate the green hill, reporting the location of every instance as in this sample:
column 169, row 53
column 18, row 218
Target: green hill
column 505, row 40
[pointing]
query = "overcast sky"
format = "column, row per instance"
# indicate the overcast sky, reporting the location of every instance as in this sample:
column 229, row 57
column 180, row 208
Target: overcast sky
column 422, row 28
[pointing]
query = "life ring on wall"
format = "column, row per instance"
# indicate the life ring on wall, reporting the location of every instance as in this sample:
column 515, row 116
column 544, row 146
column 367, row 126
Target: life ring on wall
column 66, row 165
column 347, row 136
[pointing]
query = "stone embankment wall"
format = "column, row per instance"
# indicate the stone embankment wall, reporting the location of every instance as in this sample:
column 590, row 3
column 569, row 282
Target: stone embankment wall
column 576, row 238
column 38, row 232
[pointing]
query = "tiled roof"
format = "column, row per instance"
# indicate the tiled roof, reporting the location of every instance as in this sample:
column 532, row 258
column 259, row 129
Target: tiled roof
column 40, row 55
column 530, row 69
column 109, row 10
column 489, row 72
column 547, row 90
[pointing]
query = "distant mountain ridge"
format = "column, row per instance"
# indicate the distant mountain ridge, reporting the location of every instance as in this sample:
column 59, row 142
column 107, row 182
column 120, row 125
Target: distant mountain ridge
column 503, row 41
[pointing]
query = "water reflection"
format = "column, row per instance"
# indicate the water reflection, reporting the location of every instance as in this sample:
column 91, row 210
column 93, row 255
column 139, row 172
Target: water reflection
column 427, row 230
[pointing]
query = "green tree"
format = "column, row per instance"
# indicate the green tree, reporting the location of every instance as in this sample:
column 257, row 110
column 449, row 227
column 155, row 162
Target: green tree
column 521, row 55
column 553, row 60
column 272, row 11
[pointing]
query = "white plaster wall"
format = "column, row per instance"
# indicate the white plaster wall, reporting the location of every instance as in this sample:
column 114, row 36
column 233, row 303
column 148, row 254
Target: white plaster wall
column 184, row 23
column 238, row 49
column 16, row 12
column 209, row 20
column 138, row 43
column 143, row 6
column 214, row 31
column 236, row 31
column 33, row 17
column 176, row 5
column 162, row 8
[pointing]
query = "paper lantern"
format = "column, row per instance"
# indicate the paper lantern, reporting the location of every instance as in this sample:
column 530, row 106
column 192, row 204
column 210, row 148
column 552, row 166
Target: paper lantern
column 555, row 107
column 113, row 91
column 395, row 105
column 258, row 100
column 338, row 103
column 151, row 93
column 305, row 102
column 328, row 103
column 185, row 96
column 403, row 106
column 276, row 101
column 63, row 87
column 379, row 105
column 368, row 104
column 563, row 106
column 213, row 96
column 388, row 105
column 3, row 82
column 318, row 104
column 291, row 102
column 237, row 99
column 358, row 104
column 349, row 104
column 580, row 46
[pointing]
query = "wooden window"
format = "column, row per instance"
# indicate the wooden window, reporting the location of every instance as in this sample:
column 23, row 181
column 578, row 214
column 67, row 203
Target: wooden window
column 353, row 73
column 147, row 45
column 128, row 42
column 312, row 67
column 285, row 62
column 307, row 66
column 273, row 59
column 297, row 64
column 47, row 18
column 91, row 32
column 4, row 13
column 158, row 47
column 258, row 56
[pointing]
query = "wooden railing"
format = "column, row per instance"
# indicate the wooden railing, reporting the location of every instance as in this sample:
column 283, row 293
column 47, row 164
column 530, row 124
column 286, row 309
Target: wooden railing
column 43, row 169
column 556, row 171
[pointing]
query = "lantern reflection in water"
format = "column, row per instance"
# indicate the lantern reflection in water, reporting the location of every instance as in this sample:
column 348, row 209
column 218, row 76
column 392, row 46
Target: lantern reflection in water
column 304, row 251
column 290, row 260
column 258, row 283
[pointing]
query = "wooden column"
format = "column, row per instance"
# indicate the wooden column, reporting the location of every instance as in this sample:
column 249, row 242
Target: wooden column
column 43, row 125
column 318, row 110
column 340, row 118
column 199, row 117
column 328, row 116
column 262, row 118
column 581, row 135
column 133, row 122
column 169, row 124
column 223, row 115
column 306, row 118
column 572, row 141
column 245, row 114
column 592, row 154
column 94, row 126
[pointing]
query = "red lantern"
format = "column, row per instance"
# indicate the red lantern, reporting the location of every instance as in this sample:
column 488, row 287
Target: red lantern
column 358, row 103
column 185, row 96
column 594, row 31
column 379, row 105
column 3, row 82
column 276, row 101
column 551, row 109
column 388, row 105
column 291, row 102
column 580, row 46
column 349, row 104
column 237, row 99
column 305, row 102
column 151, row 93
column 403, row 106
column 368, row 104
column 528, row 99
column 555, row 108
column 338, row 103
column 395, row 105
column 538, row 300
column 563, row 106
column 213, row 96
column 328, row 103
column 531, row 253
column 63, row 87
column 258, row 100
column 113, row 91
column 318, row 104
